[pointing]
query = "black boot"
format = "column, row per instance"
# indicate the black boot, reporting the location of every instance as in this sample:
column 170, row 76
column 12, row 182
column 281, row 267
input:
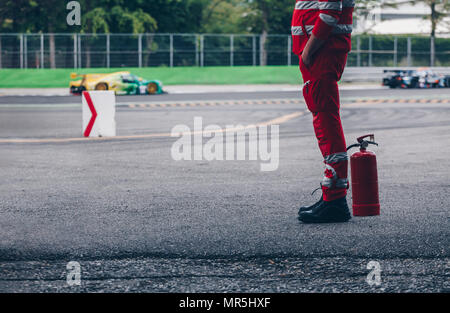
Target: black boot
column 335, row 211
column 309, row 208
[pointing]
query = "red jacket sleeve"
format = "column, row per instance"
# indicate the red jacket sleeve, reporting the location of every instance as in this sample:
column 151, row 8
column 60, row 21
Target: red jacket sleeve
column 329, row 14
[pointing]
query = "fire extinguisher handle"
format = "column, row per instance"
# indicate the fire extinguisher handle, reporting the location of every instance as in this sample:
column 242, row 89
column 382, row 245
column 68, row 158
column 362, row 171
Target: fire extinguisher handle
column 363, row 144
column 354, row 146
column 361, row 139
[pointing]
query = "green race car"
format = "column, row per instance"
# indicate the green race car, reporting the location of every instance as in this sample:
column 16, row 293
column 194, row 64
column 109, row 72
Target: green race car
column 122, row 83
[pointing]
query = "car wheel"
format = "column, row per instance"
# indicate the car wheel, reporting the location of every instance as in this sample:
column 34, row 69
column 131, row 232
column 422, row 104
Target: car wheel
column 101, row 87
column 152, row 88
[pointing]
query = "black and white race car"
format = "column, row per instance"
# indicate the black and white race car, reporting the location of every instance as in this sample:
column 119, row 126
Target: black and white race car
column 420, row 78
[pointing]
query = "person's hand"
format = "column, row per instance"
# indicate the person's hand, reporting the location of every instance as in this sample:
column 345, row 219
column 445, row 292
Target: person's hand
column 312, row 46
column 306, row 58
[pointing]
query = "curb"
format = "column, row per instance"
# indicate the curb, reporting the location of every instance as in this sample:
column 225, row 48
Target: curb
column 272, row 102
column 217, row 103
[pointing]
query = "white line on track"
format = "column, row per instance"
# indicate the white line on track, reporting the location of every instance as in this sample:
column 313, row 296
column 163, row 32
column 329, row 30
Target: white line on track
column 276, row 121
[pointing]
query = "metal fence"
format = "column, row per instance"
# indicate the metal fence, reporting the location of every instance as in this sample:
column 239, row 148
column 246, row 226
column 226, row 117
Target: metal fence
column 144, row 50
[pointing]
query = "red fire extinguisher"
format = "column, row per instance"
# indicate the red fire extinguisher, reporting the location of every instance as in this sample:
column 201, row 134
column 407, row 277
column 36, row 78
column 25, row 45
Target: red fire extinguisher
column 363, row 165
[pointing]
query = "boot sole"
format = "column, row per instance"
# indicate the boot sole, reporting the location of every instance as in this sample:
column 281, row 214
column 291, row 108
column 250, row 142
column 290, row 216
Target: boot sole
column 312, row 220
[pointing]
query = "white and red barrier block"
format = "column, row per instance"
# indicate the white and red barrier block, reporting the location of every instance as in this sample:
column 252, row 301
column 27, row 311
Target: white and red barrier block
column 99, row 114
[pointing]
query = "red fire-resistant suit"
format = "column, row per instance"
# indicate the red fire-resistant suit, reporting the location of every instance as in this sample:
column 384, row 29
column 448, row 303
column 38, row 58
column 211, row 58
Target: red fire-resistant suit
column 329, row 20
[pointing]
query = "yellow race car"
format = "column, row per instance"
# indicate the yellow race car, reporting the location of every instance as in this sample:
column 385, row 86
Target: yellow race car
column 122, row 83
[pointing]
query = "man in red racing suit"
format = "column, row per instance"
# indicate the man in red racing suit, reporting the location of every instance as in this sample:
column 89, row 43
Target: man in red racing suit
column 321, row 32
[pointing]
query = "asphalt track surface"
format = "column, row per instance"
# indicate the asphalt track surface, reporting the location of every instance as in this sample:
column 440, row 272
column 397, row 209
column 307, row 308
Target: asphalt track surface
column 373, row 93
column 138, row 221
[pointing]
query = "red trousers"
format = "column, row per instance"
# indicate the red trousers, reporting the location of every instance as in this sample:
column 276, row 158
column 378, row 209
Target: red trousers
column 322, row 98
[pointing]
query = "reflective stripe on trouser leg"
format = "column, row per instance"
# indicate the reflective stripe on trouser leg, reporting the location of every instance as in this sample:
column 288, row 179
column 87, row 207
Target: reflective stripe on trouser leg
column 336, row 157
column 331, row 179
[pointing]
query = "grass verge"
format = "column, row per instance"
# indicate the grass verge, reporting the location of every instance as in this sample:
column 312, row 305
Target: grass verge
column 59, row 78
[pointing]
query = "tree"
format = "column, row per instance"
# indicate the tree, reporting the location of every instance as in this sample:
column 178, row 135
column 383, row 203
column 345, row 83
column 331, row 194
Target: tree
column 224, row 17
column 268, row 16
column 123, row 21
column 262, row 10
column 24, row 16
column 93, row 22
column 439, row 9
column 50, row 19
column 173, row 16
column 117, row 20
